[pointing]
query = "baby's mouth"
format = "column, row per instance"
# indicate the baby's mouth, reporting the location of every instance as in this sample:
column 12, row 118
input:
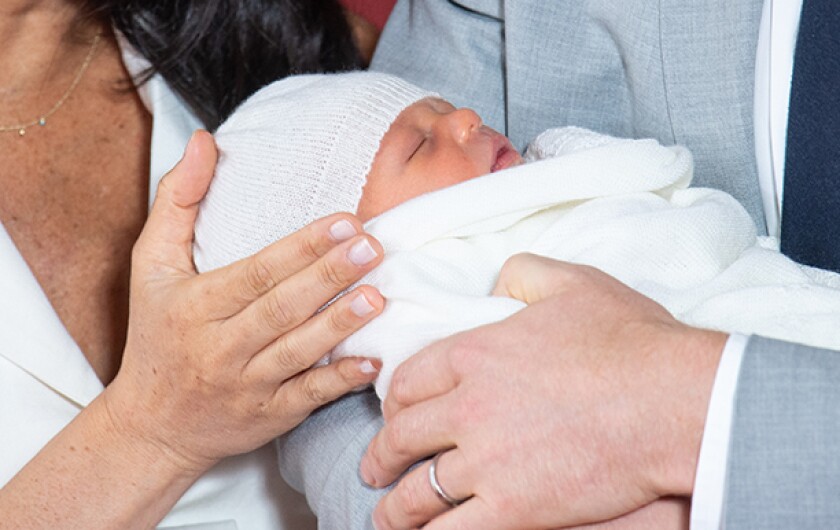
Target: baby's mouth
column 506, row 155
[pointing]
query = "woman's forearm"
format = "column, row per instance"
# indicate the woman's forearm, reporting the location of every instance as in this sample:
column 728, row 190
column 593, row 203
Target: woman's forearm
column 92, row 475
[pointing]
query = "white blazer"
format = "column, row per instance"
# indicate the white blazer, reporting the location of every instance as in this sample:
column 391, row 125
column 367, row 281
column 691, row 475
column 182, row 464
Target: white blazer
column 45, row 380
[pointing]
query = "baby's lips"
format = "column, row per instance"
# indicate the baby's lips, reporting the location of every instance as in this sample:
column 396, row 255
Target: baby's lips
column 506, row 155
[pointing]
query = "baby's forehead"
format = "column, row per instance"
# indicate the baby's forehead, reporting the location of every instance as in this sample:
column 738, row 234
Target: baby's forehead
column 434, row 104
column 416, row 117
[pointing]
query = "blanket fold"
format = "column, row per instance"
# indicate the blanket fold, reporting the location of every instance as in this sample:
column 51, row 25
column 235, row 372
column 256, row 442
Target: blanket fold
column 623, row 206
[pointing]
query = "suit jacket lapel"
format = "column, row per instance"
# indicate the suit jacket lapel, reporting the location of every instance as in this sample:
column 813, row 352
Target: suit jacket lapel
column 34, row 338
column 708, row 54
column 491, row 8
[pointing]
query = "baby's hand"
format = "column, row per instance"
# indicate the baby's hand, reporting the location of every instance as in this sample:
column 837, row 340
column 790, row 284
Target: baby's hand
column 671, row 513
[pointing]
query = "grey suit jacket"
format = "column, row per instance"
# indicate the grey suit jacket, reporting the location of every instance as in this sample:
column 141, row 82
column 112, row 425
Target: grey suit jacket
column 680, row 71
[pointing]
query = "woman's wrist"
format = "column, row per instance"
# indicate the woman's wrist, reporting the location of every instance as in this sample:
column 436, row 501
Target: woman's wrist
column 137, row 431
column 132, row 424
column 94, row 474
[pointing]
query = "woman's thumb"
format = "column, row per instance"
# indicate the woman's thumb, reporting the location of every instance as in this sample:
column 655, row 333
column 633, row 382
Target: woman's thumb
column 166, row 241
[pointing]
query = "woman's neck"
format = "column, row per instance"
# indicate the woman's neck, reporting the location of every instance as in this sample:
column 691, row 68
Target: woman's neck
column 41, row 43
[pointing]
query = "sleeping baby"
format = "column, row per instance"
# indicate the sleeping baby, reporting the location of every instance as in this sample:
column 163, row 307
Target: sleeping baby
column 407, row 163
column 450, row 200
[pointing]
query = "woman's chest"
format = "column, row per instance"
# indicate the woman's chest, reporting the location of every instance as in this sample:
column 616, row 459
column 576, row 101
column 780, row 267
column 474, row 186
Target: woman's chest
column 74, row 204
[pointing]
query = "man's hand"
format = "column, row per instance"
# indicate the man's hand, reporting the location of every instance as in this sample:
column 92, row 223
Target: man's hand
column 586, row 405
column 670, row 513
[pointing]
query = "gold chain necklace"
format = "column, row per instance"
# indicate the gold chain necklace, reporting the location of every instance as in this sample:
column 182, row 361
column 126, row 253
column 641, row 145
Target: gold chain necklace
column 42, row 120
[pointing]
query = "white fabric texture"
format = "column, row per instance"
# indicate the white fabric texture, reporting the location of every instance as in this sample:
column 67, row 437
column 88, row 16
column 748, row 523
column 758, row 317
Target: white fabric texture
column 623, row 206
column 297, row 150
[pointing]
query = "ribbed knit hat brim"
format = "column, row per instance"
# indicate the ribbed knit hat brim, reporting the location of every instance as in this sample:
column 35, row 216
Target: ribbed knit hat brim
column 297, row 150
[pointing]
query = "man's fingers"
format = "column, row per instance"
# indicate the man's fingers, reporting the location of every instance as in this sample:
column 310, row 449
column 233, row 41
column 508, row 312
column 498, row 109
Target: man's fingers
column 296, row 351
column 425, row 375
column 296, row 299
column 531, row 278
column 472, row 514
column 413, row 434
column 166, row 241
column 413, row 502
column 314, row 388
column 248, row 279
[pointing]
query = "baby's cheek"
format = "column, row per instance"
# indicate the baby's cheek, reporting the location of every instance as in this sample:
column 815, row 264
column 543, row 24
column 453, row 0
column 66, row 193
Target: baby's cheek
column 380, row 194
column 467, row 169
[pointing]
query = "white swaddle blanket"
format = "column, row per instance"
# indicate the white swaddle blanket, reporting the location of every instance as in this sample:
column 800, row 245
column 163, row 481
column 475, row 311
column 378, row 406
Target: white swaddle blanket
column 623, row 206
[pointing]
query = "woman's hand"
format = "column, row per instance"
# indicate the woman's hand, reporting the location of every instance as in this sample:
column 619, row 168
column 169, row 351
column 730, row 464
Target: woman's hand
column 218, row 364
column 215, row 364
column 586, row 405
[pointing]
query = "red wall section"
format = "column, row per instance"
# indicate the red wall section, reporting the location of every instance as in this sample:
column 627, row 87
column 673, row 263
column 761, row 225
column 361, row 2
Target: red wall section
column 376, row 11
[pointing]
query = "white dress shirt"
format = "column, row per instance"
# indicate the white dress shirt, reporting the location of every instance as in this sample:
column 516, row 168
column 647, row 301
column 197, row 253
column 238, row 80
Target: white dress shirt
column 773, row 73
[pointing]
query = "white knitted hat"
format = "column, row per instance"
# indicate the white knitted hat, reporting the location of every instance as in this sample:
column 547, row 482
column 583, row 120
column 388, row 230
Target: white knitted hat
column 297, row 150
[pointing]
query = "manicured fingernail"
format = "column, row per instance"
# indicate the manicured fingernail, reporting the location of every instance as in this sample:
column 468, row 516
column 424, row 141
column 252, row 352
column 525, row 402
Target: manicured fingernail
column 342, row 230
column 361, row 253
column 189, row 149
column 367, row 367
column 361, row 307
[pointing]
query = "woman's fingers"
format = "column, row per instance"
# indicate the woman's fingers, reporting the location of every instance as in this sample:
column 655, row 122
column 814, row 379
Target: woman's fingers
column 297, row 298
column 415, row 433
column 414, row 502
column 165, row 245
column 302, row 394
column 298, row 350
column 250, row 278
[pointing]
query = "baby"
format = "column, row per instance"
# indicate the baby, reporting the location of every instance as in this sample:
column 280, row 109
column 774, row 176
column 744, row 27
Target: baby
column 309, row 146
column 405, row 161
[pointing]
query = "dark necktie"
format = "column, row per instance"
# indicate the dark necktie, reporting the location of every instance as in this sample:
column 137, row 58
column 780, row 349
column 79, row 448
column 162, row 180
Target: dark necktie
column 811, row 200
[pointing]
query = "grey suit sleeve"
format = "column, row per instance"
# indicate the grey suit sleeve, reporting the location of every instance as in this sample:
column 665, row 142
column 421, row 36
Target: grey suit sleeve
column 321, row 460
column 784, row 463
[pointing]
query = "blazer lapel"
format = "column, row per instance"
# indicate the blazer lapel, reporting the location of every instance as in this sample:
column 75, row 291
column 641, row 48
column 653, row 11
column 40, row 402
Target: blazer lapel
column 34, row 338
column 708, row 55
column 490, row 8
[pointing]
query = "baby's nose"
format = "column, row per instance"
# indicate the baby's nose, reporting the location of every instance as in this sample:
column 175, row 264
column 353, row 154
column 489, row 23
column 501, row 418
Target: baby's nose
column 463, row 122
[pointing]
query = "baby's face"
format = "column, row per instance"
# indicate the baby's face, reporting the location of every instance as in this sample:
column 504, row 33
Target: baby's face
column 431, row 145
